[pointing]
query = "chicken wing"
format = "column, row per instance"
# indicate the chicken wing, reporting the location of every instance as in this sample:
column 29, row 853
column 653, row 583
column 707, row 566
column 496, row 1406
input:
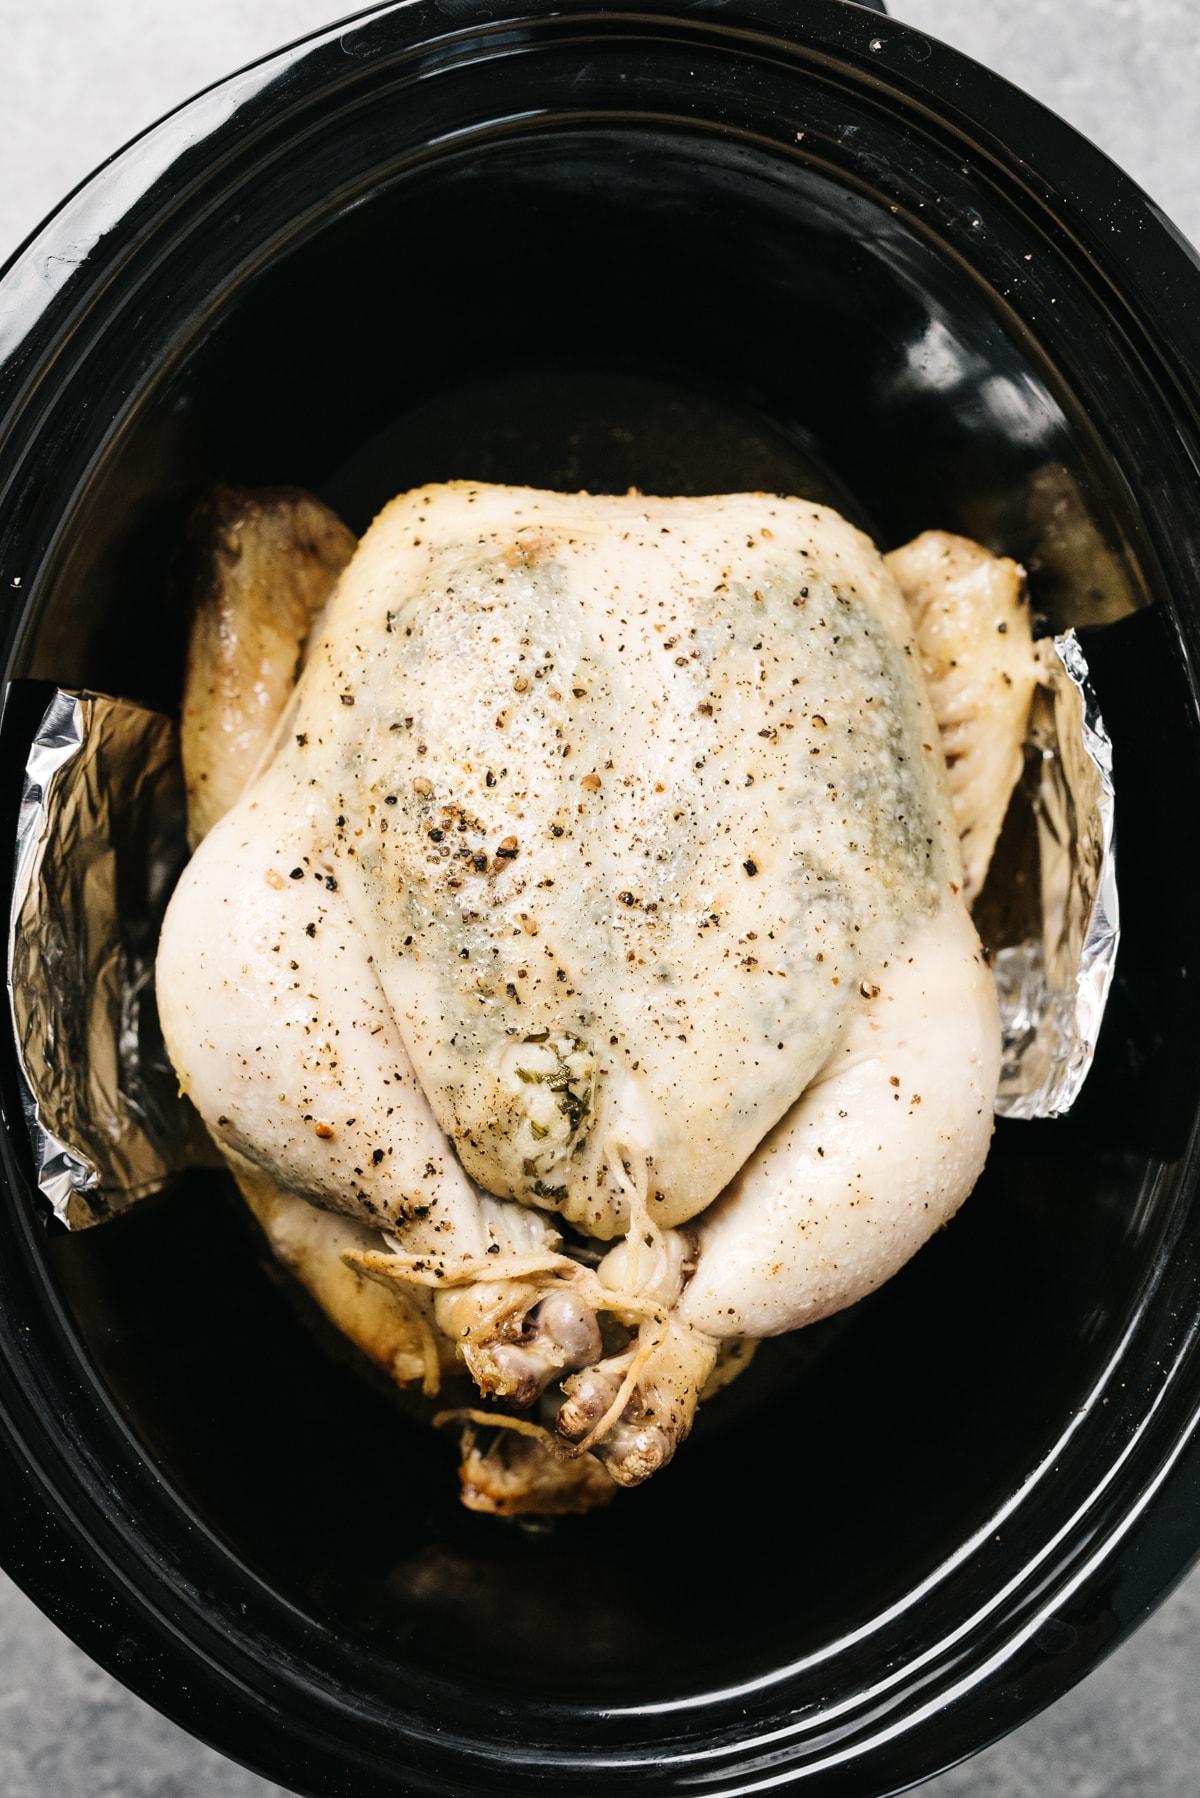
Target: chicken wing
column 263, row 565
column 970, row 614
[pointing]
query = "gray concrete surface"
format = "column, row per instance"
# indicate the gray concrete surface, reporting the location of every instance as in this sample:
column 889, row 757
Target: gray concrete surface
column 80, row 77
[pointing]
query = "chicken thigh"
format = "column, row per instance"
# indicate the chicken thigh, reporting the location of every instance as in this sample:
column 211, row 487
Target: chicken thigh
column 602, row 876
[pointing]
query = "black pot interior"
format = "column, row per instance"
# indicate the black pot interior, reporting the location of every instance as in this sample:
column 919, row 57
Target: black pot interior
column 605, row 306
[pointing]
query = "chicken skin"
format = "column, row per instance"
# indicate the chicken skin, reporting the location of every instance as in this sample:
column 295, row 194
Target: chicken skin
column 970, row 615
column 592, row 938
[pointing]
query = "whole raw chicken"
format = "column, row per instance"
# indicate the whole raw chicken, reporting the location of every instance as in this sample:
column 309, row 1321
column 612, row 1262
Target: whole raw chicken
column 583, row 986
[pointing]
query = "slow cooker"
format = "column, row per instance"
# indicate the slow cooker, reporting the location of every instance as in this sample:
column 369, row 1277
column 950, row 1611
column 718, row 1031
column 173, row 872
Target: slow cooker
column 691, row 247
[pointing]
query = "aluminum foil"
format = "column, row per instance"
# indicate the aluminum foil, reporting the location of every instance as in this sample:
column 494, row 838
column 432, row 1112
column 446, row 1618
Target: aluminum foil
column 100, row 843
column 1054, row 927
column 102, row 839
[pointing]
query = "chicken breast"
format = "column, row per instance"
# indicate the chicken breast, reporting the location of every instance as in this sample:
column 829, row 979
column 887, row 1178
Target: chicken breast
column 629, row 745
column 603, row 866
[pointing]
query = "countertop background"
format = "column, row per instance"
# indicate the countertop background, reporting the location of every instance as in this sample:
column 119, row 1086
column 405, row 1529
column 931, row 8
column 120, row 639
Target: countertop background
column 82, row 76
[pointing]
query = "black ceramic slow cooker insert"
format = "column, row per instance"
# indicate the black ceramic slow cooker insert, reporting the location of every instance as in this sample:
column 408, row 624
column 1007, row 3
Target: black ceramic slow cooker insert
column 693, row 247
